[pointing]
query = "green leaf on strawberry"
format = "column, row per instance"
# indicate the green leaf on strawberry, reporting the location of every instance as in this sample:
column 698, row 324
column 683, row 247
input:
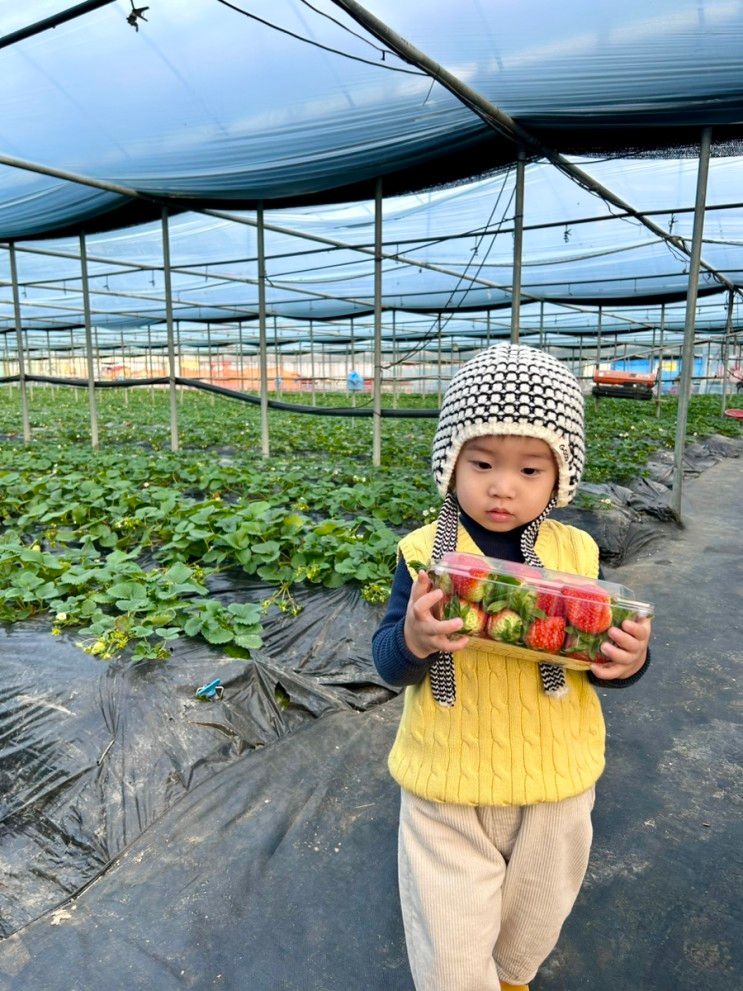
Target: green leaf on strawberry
column 584, row 646
column 497, row 606
column 620, row 613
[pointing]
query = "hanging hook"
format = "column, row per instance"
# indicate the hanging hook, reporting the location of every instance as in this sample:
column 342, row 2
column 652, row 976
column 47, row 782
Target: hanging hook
column 136, row 14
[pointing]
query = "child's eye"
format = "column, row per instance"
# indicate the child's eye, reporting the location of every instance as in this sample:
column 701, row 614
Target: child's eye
column 531, row 472
column 482, row 465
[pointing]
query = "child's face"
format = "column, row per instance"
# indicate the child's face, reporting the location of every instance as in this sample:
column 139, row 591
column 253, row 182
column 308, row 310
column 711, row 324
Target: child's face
column 504, row 482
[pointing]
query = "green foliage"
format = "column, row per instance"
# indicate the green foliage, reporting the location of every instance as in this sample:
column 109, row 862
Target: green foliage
column 621, row 434
column 120, row 544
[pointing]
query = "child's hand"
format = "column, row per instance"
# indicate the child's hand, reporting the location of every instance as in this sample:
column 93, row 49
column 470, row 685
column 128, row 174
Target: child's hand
column 424, row 633
column 626, row 653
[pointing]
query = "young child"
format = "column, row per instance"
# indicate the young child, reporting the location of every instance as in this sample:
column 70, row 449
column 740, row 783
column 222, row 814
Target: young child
column 496, row 758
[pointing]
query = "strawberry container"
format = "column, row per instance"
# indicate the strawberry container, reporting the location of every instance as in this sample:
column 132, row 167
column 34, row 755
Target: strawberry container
column 533, row 613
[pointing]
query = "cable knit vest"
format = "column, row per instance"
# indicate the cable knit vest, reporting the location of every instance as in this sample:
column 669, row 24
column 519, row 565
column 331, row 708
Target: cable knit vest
column 504, row 742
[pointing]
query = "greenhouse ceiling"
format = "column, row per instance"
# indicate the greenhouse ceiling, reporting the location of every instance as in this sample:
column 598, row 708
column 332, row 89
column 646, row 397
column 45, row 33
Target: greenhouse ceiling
column 289, row 102
column 302, row 104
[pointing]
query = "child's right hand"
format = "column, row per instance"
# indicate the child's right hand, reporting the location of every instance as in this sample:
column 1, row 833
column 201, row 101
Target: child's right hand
column 424, row 633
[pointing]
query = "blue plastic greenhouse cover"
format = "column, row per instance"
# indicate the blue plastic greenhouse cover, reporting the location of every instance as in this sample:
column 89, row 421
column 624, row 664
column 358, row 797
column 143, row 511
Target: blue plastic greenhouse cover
column 287, row 102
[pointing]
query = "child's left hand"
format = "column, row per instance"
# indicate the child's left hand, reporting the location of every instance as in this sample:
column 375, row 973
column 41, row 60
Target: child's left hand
column 626, row 652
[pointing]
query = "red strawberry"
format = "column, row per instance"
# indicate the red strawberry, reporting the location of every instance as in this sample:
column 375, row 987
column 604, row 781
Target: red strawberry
column 549, row 600
column 506, row 626
column 470, row 582
column 546, row 634
column 588, row 608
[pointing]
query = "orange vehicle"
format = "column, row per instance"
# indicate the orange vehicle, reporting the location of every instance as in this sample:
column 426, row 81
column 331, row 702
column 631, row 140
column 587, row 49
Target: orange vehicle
column 624, row 385
column 623, row 378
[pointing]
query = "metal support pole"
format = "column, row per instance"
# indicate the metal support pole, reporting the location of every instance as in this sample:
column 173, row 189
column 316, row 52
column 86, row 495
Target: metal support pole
column 438, row 359
column 312, row 364
column 377, row 400
column 209, row 350
column 276, row 354
column 209, row 357
column 487, row 327
column 97, row 354
column 518, row 244
column 150, row 361
column 660, row 358
column 29, row 367
column 92, row 404
column 123, row 369
column 242, row 356
column 725, row 350
column 49, row 359
column 174, row 445
column 394, row 360
column 541, row 325
column 19, row 344
column 353, row 361
column 73, row 363
column 179, row 354
column 691, row 307
column 261, row 238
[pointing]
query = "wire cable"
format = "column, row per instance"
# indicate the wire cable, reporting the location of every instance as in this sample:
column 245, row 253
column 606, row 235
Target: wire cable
column 345, row 27
column 317, row 44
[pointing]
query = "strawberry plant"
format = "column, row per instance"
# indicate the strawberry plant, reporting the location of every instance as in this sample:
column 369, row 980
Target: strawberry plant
column 91, row 539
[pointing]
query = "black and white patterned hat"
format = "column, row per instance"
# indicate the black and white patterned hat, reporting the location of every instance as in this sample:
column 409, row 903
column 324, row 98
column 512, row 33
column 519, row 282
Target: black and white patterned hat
column 513, row 389
column 510, row 389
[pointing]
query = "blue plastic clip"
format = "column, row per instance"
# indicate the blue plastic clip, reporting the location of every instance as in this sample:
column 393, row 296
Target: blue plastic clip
column 210, row 691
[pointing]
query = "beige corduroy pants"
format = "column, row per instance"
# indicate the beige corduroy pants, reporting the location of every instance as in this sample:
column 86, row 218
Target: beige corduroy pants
column 485, row 891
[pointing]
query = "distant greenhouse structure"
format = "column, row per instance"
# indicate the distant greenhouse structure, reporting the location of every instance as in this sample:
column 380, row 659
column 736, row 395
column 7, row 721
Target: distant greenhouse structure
column 404, row 193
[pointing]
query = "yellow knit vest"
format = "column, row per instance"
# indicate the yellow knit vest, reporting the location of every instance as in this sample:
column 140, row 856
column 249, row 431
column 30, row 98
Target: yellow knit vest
column 504, row 742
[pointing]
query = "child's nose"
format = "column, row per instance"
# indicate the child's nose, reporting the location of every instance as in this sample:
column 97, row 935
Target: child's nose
column 502, row 485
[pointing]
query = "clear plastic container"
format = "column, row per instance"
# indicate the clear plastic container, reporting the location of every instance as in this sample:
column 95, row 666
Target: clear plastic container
column 533, row 613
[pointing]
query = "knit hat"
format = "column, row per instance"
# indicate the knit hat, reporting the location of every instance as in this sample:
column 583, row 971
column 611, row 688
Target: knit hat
column 508, row 390
column 513, row 389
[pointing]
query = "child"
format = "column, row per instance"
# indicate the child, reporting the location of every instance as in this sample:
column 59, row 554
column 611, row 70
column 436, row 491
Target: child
column 496, row 758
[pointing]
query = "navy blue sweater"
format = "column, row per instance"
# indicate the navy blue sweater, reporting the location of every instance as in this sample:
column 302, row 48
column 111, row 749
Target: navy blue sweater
column 392, row 658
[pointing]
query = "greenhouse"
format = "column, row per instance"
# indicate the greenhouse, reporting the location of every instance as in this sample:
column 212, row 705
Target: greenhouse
column 245, row 248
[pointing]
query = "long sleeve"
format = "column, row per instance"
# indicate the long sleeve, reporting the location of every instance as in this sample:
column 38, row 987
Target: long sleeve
column 392, row 659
